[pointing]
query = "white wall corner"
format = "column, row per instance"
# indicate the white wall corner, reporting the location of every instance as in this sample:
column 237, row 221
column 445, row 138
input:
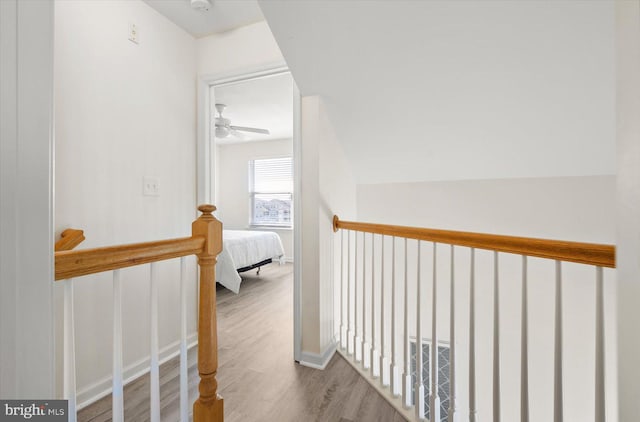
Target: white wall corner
column 319, row 360
column 309, row 226
column 27, row 366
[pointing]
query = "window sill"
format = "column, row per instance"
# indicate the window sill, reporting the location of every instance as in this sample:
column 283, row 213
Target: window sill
column 270, row 228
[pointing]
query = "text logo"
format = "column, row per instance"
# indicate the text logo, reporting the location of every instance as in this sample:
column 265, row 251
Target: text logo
column 33, row 410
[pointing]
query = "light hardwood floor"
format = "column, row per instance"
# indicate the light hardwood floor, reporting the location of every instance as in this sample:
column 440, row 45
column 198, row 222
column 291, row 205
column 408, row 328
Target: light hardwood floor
column 257, row 375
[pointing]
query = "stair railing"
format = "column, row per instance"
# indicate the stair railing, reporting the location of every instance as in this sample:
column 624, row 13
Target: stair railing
column 206, row 243
column 69, row 239
column 378, row 317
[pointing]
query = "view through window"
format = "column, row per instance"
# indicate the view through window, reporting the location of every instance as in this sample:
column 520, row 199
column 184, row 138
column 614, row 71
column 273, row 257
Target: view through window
column 271, row 190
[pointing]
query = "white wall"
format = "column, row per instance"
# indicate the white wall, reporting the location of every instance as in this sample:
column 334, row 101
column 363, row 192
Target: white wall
column 233, row 201
column 327, row 188
column 229, row 54
column 323, row 165
column 458, row 90
column 569, row 208
column 237, row 50
column 124, row 111
column 574, row 208
column 27, row 368
column 337, row 190
column 628, row 205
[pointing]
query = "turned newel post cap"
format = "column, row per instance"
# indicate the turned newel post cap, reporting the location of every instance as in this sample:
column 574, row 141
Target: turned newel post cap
column 206, row 208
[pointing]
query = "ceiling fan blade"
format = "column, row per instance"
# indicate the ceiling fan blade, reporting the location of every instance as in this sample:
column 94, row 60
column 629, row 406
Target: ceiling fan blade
column 238, row 135
column 251, row 129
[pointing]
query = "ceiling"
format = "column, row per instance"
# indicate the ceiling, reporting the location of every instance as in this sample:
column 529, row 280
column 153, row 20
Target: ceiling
column 454, row 90
column 265, row 103
column 223, row 16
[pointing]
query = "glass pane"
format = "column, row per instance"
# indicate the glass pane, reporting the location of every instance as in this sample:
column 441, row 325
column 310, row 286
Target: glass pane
column 272, row 209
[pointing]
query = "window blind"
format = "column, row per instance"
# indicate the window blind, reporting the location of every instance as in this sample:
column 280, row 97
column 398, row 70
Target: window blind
column 271, row 191
column 272, row 175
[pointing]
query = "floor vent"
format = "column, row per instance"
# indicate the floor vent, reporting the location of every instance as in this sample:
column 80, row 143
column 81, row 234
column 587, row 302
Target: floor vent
column 443, row 377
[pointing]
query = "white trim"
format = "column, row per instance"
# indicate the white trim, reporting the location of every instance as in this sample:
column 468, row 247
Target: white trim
column 297, row 226
column 101, row 388
column 205, row 155
column 395, row 402
column 251, row 72
column 319, row 361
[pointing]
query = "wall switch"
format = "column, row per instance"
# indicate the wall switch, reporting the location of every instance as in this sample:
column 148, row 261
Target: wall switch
column 133, row 33
column 150, row 186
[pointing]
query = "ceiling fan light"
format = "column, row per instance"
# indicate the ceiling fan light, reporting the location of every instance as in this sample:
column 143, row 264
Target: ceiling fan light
column 221, row 132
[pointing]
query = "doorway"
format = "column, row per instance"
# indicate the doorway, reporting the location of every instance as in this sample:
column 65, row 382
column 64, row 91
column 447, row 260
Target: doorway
column 248, row 136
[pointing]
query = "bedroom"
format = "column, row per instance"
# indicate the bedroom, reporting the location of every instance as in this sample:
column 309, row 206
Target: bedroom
column 253, row 173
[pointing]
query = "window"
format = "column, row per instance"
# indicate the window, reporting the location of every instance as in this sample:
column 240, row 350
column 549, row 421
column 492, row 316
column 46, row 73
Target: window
column 271, row 191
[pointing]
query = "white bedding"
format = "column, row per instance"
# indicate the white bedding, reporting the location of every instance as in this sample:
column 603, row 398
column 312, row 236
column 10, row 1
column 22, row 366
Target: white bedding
column 243, row 248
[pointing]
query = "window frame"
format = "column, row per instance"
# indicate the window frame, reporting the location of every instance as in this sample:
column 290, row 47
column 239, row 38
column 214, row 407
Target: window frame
column 253, row 193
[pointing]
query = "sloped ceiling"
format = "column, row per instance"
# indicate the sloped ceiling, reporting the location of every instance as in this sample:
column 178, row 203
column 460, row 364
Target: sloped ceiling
column 449, row 90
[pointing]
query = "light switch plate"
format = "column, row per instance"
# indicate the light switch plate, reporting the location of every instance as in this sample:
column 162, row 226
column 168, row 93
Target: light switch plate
column 150, row 186
column 133, row 33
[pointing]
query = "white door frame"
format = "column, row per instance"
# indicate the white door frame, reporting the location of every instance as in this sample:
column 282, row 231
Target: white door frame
column 205, row 162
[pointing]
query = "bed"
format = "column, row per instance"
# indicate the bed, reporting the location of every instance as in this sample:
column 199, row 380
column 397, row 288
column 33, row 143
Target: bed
column 243, row 250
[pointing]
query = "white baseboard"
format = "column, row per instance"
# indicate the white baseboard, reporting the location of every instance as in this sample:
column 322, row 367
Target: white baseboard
column 396, row 402
column 99, row 389
column 318, row 361
column 288, row 259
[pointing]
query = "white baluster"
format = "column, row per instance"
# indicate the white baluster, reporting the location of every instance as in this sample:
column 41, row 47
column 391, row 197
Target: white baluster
column 373, row 360
column 69, row 351
column 383, row 358
column 406, row 384
column 342, row 331
column 434, row 398
column 419, row 386
column 365, row 345
column 496, row 340
column 117, row 405
column 350, row 337
column 357, row 342
column 394, row 370
column 600, row 415
column 184, row 385
column 473, row 409
column 154, row 371
column 452, row 417
column 524, row 347
column 557, row 382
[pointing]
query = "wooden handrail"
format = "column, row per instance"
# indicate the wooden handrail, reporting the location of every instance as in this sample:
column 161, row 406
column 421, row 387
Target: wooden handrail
column 583, row 253
column 206, row 243
column 69, row 239
column 71, row 264
column 209, row 405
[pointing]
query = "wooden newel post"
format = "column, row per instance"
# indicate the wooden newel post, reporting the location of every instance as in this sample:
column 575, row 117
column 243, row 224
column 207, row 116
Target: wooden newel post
column 209, row 406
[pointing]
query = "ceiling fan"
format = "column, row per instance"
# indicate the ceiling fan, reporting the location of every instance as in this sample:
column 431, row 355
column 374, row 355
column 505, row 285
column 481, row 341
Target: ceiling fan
column 224, row 127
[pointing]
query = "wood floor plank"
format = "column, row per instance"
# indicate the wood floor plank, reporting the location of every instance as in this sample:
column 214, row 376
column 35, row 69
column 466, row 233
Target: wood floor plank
column 257, row 375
